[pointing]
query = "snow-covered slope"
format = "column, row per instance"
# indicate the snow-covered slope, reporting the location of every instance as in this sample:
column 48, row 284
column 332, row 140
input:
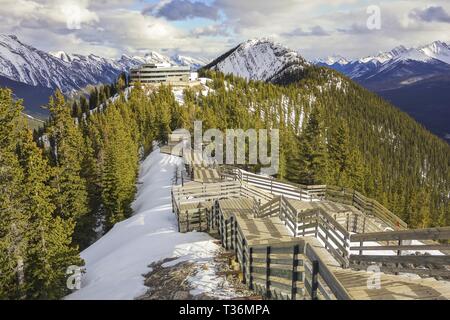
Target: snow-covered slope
column 23, row 63
column 258, row 59
column 115, row 264
column 437, row 50
column 334, row 59
column 194, row 63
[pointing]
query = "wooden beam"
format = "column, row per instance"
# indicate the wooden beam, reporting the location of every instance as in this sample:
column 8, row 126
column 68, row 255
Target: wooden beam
column 418, row 260
column 413, row 234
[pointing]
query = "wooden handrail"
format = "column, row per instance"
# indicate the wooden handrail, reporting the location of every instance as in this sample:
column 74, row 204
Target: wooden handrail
column 310, row 192
column 413, row 234
column 436, row 262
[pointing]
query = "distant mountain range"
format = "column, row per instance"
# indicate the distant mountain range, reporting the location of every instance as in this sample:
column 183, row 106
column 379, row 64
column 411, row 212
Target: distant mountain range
column 395, row 69
column 417, row 80
column 33, row 74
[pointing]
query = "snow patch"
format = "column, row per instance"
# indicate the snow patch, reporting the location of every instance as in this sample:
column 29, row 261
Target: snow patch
column 116, row 263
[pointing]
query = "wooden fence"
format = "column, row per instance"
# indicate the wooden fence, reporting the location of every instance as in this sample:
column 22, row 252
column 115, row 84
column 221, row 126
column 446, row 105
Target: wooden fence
column 197, row 209
column 415, row 251
column 314, row 193
column 283, row 270
column 316, row 223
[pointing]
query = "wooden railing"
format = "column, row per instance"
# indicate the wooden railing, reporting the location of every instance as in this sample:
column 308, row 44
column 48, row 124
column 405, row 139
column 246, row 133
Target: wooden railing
column 319, row 192
column 209, row 192
column 408, row 251
column 285, row 270
column 270, row 208
column 316, row 222
column 365, row 205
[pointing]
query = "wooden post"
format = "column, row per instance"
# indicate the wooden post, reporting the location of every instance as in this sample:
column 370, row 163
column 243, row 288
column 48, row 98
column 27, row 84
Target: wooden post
column 244, row 262
column 294, row 272
column 399, row 253
column 268, row 272
column 226, row 233
column 187, row 220
column 355, row 223
column 250, row 262
column 303, row 226
column 314, row 279
column 317, row 224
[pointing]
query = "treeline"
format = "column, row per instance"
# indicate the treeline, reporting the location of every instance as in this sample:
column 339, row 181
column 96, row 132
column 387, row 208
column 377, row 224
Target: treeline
column 67, row 186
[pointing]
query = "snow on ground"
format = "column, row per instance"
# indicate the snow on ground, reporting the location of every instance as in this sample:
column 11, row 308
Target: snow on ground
column 116, row 263
column 179, row 96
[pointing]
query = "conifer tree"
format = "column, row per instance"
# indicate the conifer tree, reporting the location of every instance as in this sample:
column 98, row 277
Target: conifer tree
column 67, row 155
column 312, row 153
column 49, row 238
column 120, row 169
column 13, row 223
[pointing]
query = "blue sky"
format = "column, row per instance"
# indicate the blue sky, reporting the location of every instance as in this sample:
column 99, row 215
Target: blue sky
column 206, row 28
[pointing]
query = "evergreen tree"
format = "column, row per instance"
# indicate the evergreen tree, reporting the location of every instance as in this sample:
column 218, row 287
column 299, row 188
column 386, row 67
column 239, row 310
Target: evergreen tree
column 49, row 250
column 312, row 153
column 13, row 223
column 67, row 155
column 120, row 169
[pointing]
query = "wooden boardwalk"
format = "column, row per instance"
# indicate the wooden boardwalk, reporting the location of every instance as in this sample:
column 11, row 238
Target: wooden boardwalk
column 289, row 248
column 205, row 175
column 255, row 230
column 392, row 287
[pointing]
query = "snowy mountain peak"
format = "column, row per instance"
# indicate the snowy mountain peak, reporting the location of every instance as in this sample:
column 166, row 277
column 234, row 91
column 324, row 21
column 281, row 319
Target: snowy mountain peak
column 258, row 59
column 436, row 47
column 194, row 63
column 398, row 50
column 61, row 55
column 155, row 57
column 437, row 50
column 334, row 59
column 69, row 72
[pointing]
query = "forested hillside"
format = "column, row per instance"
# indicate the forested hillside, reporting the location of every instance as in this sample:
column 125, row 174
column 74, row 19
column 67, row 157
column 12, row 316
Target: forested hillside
column 336, row 132
column 62, row 190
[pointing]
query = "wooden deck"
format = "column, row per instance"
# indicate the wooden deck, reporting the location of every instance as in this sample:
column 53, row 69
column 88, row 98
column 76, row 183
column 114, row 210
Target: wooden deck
column 293, row 249
column 206, row 175
column 256, row 230
column 392, row 287
column 346, row 215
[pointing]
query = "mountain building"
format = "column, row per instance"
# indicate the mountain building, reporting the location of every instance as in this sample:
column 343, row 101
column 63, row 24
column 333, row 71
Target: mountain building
column 161, row 73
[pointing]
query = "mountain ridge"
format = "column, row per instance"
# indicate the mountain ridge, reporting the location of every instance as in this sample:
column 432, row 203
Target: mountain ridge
column 258, row 59
column 71, row 72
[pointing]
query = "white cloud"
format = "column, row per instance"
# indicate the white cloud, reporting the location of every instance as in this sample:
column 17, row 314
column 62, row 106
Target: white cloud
column 314, row 27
